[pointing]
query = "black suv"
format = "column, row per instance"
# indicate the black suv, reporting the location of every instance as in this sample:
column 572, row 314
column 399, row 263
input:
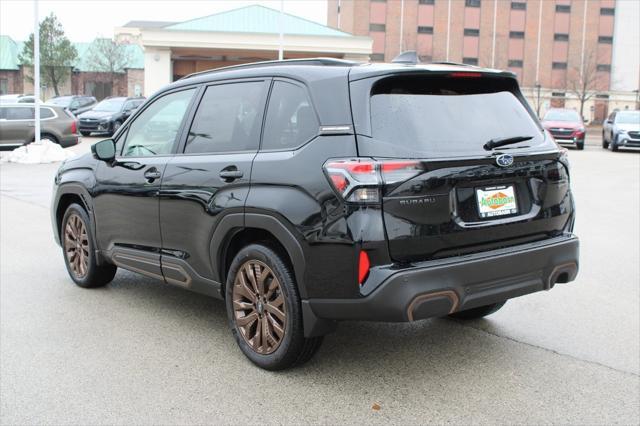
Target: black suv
column 76, row 104
column 308, row 192
column 108, row 115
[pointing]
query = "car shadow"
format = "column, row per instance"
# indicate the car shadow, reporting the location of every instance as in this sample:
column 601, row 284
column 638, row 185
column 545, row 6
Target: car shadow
column 430, row 349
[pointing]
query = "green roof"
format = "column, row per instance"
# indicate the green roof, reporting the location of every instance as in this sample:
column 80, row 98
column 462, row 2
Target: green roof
column 256, row 19
column 9, row 51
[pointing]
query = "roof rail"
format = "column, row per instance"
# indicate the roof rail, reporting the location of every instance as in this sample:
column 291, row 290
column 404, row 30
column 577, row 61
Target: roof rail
column 452, row 63
column 303, row 61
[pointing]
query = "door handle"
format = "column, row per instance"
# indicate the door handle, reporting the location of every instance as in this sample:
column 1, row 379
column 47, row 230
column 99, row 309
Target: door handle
column 152, row 174
column 231, row 173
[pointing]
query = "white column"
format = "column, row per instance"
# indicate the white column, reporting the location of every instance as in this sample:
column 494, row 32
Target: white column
column 157, row 69
column 36, row 68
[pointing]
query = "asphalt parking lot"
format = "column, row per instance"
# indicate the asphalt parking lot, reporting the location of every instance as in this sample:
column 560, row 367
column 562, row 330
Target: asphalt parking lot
column 139, row 351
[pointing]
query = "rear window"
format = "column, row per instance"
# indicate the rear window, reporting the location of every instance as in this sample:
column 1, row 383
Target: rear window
column 446, row 117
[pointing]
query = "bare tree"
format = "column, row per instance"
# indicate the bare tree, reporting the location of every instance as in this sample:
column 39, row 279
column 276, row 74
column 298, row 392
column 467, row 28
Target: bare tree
column 107, row 56
column 583, row 81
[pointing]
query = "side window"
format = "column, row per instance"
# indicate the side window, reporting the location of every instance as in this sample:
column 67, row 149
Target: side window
column 228, row 119
column 46, row 113
column 155, row 130
column 20, row 113
column 612, row 117
column 128, row 106
column 3, row 113
column 291, row 120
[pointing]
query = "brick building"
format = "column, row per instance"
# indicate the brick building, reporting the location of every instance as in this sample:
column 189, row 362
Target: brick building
column 549, row 44
column 84, row 78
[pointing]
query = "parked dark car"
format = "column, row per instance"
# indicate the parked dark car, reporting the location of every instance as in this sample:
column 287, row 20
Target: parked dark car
column 566, row 126
column 108, row 115
column 621, row 130
column 308, row 192
column 76, row 104
column 17, row 125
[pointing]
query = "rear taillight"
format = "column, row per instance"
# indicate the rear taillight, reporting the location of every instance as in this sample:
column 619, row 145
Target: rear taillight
column 74, row 127
column 359, row 180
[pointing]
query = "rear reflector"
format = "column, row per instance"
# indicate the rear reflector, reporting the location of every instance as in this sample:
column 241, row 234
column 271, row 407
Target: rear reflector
column 363, row 267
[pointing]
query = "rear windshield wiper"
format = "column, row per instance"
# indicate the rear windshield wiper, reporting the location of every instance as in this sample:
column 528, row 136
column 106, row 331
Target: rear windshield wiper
column 494, row 143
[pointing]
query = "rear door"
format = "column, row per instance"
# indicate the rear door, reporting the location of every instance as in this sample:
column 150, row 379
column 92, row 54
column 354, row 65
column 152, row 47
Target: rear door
column 452, row 196
column 210, row 176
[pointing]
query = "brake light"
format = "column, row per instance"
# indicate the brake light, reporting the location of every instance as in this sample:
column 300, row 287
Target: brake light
column 363, row 267
column 359, row 180
column 462, row 74
column 74, row 127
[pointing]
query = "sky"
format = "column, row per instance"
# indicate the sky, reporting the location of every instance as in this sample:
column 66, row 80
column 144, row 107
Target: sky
column 84, row 20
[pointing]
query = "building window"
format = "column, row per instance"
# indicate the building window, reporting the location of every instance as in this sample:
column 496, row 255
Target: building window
column 518, row 5
column 559, row 65
column 379, row 1
column 602, row 96
column 426, row 1
column 471, row 32
column 516, row 34
column 425, row 58
column 607, row 11
column 557, row 94
column 561, row 37
column 563, row 8
column 605, row 39
column 472, row 3
column 425, row 30
column 603, row 67
column 377, row 57
column 377, row 27
column 470, row 61
column 4, row 86
column 515, row 63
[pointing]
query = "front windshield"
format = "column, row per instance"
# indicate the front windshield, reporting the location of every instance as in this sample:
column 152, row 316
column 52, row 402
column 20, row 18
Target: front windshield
column 63, row 101
column 109, row 105
column 628, row 117
column 561, row 115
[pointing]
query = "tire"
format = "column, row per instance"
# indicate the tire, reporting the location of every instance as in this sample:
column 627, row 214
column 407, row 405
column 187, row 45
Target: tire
column 76, row 237
column 479, row 312
column 85, row 133
column 246, row 298
column 115, row 126
column 46, row 136
column 580, row 146
column 614, row 144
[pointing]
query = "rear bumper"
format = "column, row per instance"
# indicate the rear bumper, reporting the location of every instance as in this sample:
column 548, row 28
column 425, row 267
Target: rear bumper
column 441, row 287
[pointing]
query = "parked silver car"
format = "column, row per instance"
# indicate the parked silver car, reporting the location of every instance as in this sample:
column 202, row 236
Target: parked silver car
column 621, row 130
column 17, row 125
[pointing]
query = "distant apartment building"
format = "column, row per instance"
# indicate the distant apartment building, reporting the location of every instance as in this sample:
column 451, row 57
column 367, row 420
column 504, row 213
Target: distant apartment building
column 548, row 44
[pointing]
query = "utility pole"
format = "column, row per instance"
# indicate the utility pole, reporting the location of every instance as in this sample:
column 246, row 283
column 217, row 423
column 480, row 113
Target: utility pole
column 36, row 68
column 281, row 38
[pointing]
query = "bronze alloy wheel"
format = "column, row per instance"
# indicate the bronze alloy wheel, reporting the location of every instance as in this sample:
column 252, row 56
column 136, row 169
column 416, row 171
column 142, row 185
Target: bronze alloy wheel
column 259, row 308
column 76, row 245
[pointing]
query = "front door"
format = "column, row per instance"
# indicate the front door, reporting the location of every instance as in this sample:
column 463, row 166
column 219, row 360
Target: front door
column 209, row 179
column 126, row 194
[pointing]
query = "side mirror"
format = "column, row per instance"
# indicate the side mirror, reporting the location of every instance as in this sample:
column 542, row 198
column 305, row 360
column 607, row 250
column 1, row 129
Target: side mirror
column 104, row 150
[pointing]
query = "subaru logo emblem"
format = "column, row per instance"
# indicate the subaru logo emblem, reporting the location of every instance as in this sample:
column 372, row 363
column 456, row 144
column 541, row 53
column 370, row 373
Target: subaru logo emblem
column 504, row 160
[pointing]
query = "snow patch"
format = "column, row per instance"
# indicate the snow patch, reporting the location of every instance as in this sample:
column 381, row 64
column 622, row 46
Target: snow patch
column 44, row 152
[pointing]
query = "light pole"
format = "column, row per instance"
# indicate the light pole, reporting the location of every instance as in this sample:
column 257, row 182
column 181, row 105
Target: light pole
column 637, row 92
column 36, row 69
column 537, row 86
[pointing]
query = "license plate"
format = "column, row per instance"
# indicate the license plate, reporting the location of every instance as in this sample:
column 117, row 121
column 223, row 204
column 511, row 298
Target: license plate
column 496, row 201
